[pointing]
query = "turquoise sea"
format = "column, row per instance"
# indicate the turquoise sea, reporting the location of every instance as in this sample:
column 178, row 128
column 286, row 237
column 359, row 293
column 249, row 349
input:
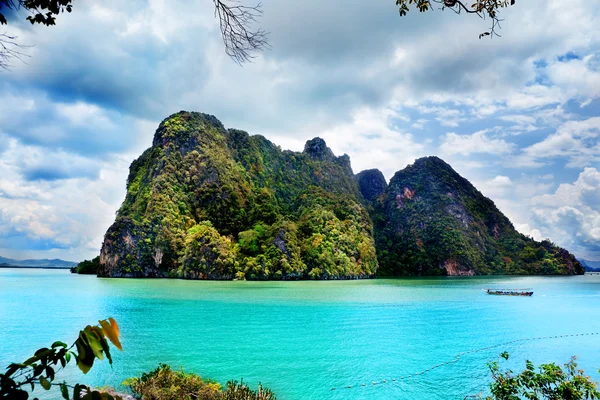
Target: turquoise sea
column 301, row 339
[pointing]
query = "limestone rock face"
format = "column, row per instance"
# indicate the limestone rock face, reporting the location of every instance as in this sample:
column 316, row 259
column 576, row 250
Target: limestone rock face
column 317, row 149
column 432, row 221
column 371, row 183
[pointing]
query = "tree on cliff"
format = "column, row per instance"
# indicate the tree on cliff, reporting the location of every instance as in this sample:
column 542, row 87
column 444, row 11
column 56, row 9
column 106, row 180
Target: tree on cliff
column 236, row 22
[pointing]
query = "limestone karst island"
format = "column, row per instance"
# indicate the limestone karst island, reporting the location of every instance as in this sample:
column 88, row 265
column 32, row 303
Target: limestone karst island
column 206, row 202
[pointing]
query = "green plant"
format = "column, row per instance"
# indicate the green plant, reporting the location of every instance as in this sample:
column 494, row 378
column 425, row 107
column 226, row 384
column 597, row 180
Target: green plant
column 42, row 367
column 549, row 382
column 166, row 384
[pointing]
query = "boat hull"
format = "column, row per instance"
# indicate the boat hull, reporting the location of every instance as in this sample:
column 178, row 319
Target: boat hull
column 509, row 293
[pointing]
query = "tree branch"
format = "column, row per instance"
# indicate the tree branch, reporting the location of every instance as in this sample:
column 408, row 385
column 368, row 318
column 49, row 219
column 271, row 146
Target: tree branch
column 235, row 22
column 10, row 50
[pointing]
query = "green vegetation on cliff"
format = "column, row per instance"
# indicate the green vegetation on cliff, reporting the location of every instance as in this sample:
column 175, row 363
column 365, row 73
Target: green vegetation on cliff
column 431, row 221
column 209, row 203
column 205, row 202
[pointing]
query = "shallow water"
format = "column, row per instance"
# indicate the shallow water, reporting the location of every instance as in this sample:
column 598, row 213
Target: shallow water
column 303, row 338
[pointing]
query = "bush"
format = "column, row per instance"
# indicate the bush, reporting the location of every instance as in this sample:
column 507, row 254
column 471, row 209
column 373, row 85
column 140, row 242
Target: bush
column 165, row 384
column 550, row 383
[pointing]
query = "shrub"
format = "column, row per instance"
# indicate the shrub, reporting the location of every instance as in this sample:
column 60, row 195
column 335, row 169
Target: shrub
column 165, row 384
column 550, row 383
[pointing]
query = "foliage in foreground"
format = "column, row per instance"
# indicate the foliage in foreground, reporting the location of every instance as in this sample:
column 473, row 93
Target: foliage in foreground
column 549, row 382
column 42, row 367
column 165, row 384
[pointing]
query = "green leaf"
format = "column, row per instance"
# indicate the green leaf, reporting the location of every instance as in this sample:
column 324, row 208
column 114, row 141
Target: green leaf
column 45, row 384
column 58, row 343
column 50, row 373
column 38, row 370
column 43, row 352
column 85, row 356
column 77, row 392
column 64, row 391
column 30, row 360
column 94, row 340
column 106, row 349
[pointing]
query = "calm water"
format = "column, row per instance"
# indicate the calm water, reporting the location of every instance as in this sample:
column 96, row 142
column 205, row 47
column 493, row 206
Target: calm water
column 303, row 338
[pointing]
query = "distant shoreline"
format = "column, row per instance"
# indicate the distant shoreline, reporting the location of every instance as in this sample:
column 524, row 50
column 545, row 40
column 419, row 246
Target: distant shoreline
column 18, row 266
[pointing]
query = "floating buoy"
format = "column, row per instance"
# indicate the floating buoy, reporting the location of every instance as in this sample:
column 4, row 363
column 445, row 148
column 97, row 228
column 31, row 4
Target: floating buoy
column 374, row 383
column 364, row 384
column 384, row 381
column 349, row 387
column 394, row 379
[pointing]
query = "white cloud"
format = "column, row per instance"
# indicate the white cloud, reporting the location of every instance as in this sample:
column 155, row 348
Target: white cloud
column 69, row 216
column 580, row 79
column 571, row 215
column 478, row 142
column 579, row 141
column 496, row 187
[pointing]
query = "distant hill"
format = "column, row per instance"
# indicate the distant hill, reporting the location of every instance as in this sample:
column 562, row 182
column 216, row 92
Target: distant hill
column 43, row 263
column 590, row 266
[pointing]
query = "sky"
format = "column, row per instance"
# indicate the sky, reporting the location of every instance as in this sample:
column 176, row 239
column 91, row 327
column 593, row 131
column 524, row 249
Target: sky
column 517, row 115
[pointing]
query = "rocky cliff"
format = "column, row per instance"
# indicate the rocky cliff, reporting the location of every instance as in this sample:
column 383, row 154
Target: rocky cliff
column 431, row 221
column 206, row 202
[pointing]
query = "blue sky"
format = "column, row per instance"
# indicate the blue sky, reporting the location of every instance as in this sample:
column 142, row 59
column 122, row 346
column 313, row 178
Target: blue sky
column 518, row 115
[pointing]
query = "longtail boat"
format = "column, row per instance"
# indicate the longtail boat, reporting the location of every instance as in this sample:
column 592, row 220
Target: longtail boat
column 510, row 292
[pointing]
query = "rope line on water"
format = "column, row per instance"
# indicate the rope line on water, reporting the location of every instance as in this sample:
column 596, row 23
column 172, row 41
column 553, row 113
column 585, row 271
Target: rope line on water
column 457, row 358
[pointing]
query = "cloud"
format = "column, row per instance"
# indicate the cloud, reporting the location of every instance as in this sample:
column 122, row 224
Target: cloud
column 571, row 215
column 86, row 129
column 578, row 141
column 579, row 77
column 496, row 187
column 478, row 142
column 42, row 217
